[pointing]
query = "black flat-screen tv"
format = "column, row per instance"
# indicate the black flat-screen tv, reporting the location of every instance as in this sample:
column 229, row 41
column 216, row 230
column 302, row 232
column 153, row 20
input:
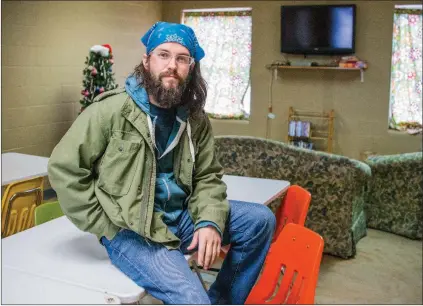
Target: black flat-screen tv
column 318, row 29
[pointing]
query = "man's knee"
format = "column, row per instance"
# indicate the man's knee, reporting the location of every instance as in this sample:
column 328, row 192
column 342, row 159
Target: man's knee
column 263, row 218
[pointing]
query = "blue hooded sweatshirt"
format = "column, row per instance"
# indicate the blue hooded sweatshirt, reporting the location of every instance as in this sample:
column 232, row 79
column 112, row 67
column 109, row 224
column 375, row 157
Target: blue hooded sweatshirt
column 167, row 126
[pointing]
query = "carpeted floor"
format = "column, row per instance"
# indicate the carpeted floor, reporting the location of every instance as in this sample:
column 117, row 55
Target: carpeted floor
column 386, row 270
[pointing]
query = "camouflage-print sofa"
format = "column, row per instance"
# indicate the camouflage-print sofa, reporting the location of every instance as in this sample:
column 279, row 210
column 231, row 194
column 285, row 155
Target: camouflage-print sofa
column 336, row 183
column 394, row 198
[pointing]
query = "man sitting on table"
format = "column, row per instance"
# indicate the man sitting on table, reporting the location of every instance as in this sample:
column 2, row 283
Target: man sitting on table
column 138, row 170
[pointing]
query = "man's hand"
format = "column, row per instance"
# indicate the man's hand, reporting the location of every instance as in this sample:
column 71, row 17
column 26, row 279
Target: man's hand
column 208, row 240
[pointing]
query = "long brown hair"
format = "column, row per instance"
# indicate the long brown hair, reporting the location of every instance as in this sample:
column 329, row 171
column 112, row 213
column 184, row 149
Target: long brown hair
column 195, row 93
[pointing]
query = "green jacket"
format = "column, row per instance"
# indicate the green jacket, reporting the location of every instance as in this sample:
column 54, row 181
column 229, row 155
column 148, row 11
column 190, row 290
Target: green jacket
column 104, row 169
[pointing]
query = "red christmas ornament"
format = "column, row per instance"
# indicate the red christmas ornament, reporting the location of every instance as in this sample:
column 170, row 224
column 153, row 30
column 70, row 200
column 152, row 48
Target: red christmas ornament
column 111, row 61
column 94, row 71
column 101, row 89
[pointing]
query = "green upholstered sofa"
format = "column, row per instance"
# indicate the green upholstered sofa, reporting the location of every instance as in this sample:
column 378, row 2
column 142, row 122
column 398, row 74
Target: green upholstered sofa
column 395, row 194
column 336, row 183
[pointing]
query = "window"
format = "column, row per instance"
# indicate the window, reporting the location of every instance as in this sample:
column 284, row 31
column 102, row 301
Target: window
column 225, row 36
column 405, row 109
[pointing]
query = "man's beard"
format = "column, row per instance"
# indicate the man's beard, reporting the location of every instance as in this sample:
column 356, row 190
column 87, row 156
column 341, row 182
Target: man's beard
column 165, row 97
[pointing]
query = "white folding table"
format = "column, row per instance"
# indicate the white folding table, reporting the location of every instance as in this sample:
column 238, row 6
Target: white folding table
column 256, row 190
column 57, row 252
column 31, row 289
column 17, row 166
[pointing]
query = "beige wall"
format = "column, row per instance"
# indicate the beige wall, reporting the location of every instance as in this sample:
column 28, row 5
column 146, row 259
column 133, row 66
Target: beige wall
column 44, row 46
column 361, row 109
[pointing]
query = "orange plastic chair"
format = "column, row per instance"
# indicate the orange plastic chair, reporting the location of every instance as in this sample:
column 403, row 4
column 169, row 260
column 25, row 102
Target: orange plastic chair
column 18, row 205
column 293, row 209
column 297, row 251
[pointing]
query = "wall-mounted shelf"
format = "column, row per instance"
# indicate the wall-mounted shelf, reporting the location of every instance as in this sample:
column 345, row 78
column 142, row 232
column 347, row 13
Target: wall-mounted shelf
column 276, row 68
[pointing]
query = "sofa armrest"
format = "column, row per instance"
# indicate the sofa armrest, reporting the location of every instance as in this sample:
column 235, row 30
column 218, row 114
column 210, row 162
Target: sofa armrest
column 394, row 198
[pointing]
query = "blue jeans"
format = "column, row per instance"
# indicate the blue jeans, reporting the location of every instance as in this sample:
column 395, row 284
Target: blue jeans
column 166, row 275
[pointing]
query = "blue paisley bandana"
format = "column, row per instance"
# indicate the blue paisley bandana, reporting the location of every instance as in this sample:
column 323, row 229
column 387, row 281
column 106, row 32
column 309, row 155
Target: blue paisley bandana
column 163, row 32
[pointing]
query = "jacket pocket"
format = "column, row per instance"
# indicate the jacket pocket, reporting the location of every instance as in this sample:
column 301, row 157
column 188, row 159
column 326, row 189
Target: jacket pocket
column 118, row 166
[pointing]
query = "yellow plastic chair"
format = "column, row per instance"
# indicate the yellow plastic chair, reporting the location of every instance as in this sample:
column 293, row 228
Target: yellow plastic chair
column 18, row 205
column 47, row 212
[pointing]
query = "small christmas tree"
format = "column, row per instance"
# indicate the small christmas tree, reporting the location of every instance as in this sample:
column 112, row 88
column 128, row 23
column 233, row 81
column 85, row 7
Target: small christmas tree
column 98, row 75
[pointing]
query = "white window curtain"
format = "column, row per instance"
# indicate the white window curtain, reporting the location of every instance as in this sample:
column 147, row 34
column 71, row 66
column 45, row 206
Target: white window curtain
column 406, row 71
column 225, row 37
